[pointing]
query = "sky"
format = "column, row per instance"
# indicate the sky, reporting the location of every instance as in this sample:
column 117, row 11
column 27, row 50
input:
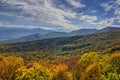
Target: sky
column 60, row 15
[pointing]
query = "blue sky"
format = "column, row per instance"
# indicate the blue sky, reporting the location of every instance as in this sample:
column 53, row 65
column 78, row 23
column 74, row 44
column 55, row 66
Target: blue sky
column 60, row 15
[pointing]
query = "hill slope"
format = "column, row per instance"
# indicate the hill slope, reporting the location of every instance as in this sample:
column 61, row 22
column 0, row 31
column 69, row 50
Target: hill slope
column 108, row 41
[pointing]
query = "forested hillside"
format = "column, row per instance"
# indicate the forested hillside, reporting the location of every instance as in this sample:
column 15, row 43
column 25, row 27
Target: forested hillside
column 104, row 42
column 89, row 57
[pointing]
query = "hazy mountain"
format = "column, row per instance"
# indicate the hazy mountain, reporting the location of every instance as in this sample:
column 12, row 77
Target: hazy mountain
column 7, row 33
column 84, row 31
column 38, row 34
column 109, row 29
column 108, row 41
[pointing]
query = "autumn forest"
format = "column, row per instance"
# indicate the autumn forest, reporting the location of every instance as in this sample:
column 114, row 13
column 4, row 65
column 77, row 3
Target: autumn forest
column 89, row 57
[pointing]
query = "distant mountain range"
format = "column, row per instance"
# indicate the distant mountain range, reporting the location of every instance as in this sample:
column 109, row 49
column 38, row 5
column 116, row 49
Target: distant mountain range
column 103, row 42
column 23, row 35
column 8, row 33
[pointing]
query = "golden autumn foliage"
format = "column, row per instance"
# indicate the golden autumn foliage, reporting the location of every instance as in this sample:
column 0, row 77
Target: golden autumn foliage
column 90, row 66
column 85, row 61
column 114, row 61
column 60, row 72
column 111, row 70
column 8, row 66
column 92, row 72
column 34, row 72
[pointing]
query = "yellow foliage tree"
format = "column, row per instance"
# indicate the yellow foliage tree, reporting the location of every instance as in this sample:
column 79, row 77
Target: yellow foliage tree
column 60, row 72
column 111, row 70
column 34, row 71
column 85, row 61
column 92, row 72
column 8, row 66
column 114, row 61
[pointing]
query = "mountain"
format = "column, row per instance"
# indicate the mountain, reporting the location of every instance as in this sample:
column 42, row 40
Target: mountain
column 24, row 35
column 104, row 42
column 39, row 37
column 83, row 32
column 8, row 33
column 109, row 29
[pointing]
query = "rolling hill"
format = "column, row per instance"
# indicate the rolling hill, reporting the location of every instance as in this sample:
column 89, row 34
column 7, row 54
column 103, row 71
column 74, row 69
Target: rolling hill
column 107, row 41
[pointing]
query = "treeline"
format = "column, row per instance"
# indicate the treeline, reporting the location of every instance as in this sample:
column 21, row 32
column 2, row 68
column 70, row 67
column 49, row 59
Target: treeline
column 89, row 66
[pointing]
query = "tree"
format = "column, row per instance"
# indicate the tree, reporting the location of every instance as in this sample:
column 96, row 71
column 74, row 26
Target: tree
column 60, row 72
column 111, row 70
column 8, row 66
column 33, row 71
column 85, row 61
column 92, row 72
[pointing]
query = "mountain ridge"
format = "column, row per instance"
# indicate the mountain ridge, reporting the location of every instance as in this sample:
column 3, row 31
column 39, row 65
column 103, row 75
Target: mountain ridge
column 15, row 35
column 8, row 33
column 108, row 41
column 63, row 34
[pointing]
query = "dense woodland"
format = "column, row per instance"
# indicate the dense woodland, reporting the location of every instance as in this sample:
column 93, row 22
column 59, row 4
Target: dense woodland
column 89, row 66
column 89, row 57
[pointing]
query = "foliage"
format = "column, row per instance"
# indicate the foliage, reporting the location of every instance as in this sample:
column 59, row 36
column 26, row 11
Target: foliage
column 1, row 57
column 85, row 61
column 108, row 42
column 68, row 47
column 8, row 66
column 60, row 72
column 88, row 66
column 111, row 70
column 33, row 72
column 92, row 72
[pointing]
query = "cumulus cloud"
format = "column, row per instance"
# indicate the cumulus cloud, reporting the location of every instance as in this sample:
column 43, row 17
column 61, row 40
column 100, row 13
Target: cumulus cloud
column 75, row 3
column 53, row 14
column 112, row 6
column 112, row 22
column 7, row 24
column 94, row 11
column 107, row 7
column 117, row 11
column 42, row 10
column 88, row 18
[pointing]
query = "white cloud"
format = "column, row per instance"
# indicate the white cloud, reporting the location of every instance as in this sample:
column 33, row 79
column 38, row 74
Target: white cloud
column 117, row 11
column 45, row 11
column 105, row 23
column 6, row 24
column 75, row 3
column 88, row 18
column 94, row 11
column 107, row 7
column 113, row 22
column 117, row 2
column 112, row 6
